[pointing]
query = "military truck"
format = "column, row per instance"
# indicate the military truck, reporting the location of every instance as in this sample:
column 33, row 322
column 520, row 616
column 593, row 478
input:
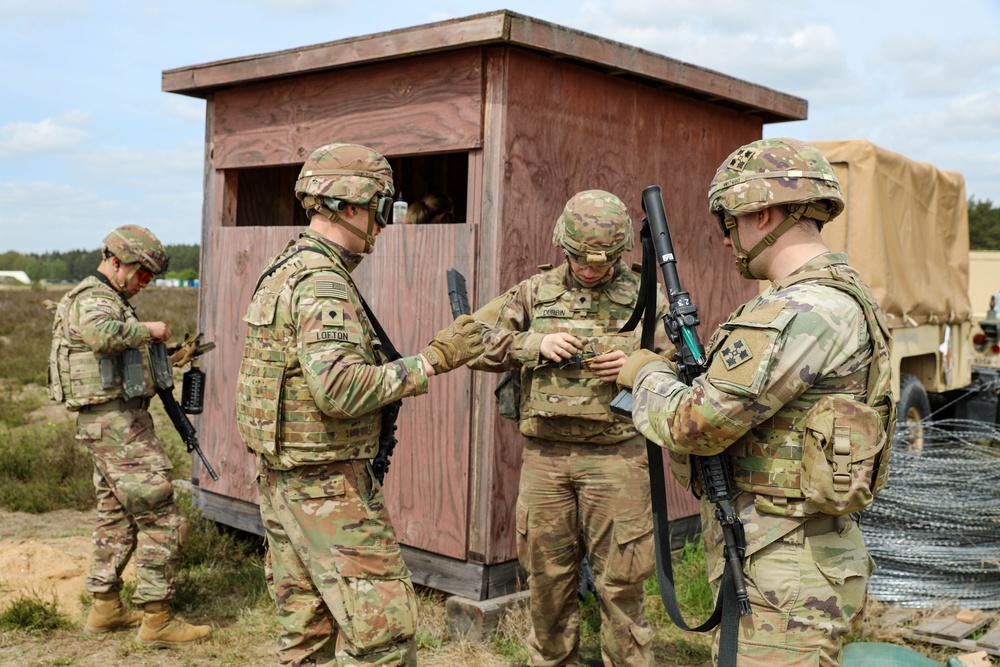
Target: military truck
column 906, row 229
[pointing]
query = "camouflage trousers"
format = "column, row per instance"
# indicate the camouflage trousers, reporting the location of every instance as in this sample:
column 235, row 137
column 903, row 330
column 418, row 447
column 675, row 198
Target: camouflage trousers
column 136, row 512
column 806, row 591
column 577, row 499
column 334, row 568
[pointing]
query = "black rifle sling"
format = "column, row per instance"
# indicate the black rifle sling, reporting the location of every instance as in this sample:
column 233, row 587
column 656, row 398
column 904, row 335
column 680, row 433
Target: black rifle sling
column 726, row 607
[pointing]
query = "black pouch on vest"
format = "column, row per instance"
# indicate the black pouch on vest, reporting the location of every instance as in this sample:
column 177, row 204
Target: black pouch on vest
column 133, row 383
column 162, row 373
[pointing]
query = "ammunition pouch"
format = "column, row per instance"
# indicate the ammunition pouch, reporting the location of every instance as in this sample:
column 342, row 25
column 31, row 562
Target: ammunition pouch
column 508, row 394
column 844, row 448
column 163, row 374
column 133, row 380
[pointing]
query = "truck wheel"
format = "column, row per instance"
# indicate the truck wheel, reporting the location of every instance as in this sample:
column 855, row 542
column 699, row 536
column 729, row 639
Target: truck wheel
column 913, row 408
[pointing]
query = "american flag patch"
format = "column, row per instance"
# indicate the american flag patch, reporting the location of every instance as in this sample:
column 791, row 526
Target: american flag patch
column 328, row 289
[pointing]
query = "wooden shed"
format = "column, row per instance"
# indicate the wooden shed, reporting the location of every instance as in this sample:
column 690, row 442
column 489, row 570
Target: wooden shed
column 510, row 116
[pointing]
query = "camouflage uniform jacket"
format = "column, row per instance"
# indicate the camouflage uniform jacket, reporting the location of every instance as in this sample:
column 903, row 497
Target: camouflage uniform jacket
column 92, row 321
column 769, row 364
column 570, row 404
column 313, row 382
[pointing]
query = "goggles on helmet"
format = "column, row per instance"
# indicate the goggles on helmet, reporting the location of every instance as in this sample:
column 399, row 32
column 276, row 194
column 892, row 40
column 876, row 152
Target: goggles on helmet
column 381, row 205
column 596, row 260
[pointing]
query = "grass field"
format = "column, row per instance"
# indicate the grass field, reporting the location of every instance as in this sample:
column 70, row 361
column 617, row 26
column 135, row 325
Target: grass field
column 43, row 468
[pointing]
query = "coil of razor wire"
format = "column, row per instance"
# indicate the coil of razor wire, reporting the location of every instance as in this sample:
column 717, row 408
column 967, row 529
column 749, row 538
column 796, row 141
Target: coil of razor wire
column 934, row 531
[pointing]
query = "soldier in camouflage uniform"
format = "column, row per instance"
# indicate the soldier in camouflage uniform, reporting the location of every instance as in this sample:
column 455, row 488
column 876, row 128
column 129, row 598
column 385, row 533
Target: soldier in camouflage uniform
column 311, row 390
column 797, row 393
column 584, row 486
column 94, row 332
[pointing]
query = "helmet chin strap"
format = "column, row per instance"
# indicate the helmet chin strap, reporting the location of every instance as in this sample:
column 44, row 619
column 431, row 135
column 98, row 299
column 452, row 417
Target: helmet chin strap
column 316, row 204
column 744, row 258
column 114, row 274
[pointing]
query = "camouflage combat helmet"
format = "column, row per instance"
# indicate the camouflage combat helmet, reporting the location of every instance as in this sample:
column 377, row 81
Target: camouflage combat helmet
column 773, row 172
column 594, row 228
column 133, row 244
column 336, row 174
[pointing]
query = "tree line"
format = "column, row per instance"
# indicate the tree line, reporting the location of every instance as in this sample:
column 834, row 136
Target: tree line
column 984, row 225
column 75, row 265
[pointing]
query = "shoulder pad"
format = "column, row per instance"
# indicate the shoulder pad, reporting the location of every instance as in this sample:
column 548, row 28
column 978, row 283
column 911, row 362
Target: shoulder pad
column 624, row 289
column 745, row 347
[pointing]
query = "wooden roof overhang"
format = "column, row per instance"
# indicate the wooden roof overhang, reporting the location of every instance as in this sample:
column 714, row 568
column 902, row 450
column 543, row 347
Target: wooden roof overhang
column 493, row 28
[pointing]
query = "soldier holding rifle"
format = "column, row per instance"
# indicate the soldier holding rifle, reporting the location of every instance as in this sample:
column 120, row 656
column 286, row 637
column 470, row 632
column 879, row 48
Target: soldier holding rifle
column 101, row 368
column 797, row 395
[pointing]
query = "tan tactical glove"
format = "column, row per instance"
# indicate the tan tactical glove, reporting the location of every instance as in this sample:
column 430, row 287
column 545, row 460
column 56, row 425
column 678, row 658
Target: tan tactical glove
column 460, row 342
column 635, row 363
column 191, row 347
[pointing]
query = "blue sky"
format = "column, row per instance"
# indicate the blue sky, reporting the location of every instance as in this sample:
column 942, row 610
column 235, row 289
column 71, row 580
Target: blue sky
column 88, row 141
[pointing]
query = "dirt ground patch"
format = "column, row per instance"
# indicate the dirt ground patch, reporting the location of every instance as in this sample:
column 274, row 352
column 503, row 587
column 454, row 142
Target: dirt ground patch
column 46, row 556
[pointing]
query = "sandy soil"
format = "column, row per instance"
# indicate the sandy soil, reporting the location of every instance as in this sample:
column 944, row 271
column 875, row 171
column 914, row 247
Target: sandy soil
column 46, row 556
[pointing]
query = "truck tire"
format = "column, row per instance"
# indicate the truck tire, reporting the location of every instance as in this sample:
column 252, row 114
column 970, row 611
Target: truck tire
column 913, row 408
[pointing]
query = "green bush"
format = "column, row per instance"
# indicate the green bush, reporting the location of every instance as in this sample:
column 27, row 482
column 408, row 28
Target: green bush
column 221, row 571
column 32, row 614
column 43, row 468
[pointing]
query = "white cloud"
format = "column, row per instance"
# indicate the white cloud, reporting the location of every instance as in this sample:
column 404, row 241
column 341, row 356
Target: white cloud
column 12, row 10
column 802, row 58
column 58, row 134
column 928, row 68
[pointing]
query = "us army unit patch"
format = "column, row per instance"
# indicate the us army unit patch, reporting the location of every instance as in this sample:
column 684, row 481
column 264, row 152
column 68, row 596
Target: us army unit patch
column 330, row 289
column 735, row 353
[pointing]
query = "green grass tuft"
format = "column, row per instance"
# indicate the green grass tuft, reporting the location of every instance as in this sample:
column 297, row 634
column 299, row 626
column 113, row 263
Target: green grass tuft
column 32, row 614
column 221, row 570
column 44, row 468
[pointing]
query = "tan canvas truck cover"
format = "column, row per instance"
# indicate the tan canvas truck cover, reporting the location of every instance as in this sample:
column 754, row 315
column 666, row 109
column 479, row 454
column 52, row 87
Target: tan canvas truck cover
column 906, row 229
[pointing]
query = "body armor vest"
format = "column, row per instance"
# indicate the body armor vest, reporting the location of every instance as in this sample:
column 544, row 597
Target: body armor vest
column 769, row 460
column 594, row 315
column 276, row 412
column 77, row 375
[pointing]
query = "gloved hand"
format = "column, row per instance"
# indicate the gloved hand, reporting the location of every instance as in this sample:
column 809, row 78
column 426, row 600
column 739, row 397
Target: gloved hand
column 191, row 347
column 456, row 344
column 635, row 363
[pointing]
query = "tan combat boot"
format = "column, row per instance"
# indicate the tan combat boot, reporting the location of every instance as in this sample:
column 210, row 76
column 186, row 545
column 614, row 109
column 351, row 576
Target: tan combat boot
column 108, row 614
column 161, row 630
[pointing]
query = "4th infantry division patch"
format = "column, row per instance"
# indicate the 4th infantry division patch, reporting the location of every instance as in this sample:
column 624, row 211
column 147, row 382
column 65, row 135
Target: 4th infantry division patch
column 735, row 353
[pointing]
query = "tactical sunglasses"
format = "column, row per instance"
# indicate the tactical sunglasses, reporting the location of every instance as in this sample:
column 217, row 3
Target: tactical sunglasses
column 144, row 275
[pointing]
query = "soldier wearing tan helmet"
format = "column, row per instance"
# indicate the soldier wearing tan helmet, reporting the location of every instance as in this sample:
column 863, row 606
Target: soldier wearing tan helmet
column 311, row 391
column 584, row 488
column 96, row 338
column 797, row 394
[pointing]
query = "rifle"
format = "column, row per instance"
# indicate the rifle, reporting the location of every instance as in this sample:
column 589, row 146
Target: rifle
column 163, row 377
column 714, row 471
